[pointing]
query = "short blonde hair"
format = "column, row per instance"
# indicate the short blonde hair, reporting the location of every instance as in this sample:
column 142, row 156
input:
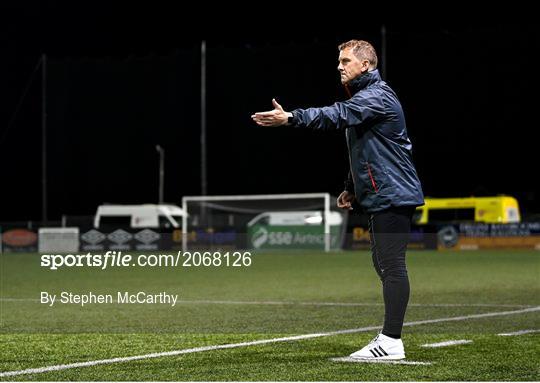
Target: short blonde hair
column 363, row 50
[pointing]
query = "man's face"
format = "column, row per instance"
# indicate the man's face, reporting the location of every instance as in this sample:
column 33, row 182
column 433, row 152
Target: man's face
column 350, row 66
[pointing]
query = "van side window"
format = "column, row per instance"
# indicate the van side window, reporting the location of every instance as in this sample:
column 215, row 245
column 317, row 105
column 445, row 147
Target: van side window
column 115, row 221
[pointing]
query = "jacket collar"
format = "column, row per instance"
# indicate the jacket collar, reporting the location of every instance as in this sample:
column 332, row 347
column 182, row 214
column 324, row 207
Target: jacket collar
column 363, row 81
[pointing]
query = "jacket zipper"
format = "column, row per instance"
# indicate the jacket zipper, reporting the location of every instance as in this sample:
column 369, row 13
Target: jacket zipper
column 349, row 155
column 373, row 183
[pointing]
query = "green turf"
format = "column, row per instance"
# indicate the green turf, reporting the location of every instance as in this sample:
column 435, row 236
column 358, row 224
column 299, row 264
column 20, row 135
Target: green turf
column 286, row 291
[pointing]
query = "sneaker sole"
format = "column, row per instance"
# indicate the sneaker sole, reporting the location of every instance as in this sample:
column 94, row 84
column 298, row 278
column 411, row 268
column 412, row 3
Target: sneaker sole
column 387, row 357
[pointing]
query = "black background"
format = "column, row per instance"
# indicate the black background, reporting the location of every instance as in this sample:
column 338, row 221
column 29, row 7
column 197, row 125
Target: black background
column 119, row 85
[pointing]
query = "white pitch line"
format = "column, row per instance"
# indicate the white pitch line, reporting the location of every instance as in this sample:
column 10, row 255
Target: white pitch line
column 348, row 303
column 473, row 316
column 278, row 303
column 381, row 361
column 447, row 343
column 19, row 300
column 252, row 343
column 521, row 332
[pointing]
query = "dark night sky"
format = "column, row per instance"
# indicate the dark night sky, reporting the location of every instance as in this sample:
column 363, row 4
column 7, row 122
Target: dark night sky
column 117, row 88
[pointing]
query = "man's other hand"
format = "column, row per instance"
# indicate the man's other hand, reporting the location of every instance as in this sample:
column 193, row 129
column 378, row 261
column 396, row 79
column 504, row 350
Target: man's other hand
column 276, row 117
column 345, row 200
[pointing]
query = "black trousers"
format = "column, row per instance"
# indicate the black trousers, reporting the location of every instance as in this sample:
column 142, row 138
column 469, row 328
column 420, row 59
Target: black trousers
column 389, row 233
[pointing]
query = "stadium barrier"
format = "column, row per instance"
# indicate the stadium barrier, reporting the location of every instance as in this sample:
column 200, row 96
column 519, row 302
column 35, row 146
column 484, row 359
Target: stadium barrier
column 459, row 236
column 21, row 237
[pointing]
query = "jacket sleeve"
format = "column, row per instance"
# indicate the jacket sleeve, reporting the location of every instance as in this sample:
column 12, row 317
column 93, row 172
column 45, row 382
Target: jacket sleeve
column 353, row 112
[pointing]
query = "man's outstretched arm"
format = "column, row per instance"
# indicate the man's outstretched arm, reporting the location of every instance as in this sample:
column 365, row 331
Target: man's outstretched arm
column 340, row 115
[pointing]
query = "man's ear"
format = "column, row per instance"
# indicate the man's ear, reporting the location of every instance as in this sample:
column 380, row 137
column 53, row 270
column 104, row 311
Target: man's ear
column 365, row 66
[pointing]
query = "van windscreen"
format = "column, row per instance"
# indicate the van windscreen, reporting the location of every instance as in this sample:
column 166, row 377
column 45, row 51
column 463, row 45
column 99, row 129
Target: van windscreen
column 447, row 215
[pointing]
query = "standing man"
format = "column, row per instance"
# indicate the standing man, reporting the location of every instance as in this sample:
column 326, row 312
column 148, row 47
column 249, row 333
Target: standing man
column 382, row 177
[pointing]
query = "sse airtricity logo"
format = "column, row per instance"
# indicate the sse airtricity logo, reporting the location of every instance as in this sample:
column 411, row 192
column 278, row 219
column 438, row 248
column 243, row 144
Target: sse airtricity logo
column 260, row 237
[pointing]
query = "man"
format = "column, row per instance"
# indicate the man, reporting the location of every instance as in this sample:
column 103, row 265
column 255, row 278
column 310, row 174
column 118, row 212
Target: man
column 382, row 177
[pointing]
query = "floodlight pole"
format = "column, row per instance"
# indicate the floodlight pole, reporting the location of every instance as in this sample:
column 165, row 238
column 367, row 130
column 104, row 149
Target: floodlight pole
column 204, row 183
column 161, row 152
column 43, row 137
column 384, row 74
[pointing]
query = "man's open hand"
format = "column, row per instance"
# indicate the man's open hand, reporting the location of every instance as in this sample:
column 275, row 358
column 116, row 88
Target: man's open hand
column 276, row 117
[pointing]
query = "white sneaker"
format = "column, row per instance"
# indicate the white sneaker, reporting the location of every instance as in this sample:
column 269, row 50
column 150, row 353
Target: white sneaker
column 381, row 347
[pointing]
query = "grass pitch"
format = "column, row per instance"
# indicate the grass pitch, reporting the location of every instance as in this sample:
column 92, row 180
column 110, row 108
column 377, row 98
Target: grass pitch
column 279, row 295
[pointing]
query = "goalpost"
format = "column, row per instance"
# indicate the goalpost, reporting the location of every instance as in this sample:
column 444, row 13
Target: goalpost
column 280, row 220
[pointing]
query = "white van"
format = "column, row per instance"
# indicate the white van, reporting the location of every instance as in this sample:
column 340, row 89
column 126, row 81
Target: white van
column 139, row 216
